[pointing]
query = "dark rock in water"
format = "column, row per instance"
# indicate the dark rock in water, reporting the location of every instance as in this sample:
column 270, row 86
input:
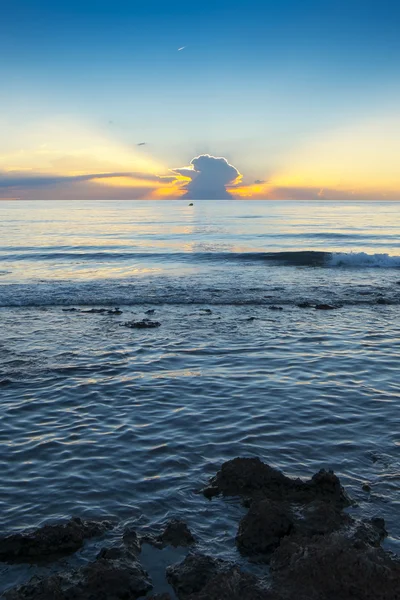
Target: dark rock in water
column 251, row 478
column 151, row 311
column 114, row 311
column 325, row 307
column 267, row 522
column 233, row 584
column 250, row 319
column 50, row 541
column 369, row 531
column 304, row 305
column 366, row 487
column 206, row 311
column 132, row 541
column 143, row 324
column 115, row 576
column 273, row 307
column 262, row 529
column 334, row 567
column 176, row 533
column 200, row 577
column 191, row 204
column 320, row 518
column 245, row 477
column 193, row 573
column 95, row 311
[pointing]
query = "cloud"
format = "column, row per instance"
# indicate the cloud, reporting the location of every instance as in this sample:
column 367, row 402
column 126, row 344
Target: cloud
column 208, row 177
column 21, row 179
column 259, row 181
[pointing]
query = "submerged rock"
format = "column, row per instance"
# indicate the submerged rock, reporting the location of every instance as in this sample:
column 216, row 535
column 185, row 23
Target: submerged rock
column 325, row 307
column 143, row 324
column 251, row 478
column 50, row 541
column 334, row 567
column 118, row 578
column 176, row 533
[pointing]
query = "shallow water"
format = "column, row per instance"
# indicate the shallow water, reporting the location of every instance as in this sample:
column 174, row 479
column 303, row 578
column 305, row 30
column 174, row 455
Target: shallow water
column 101, row 420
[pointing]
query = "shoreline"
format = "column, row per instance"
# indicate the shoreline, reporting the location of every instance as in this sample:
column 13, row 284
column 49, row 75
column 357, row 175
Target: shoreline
column 296, row 532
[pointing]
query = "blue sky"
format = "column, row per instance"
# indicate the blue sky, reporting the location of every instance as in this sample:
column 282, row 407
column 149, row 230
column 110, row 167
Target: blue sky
column 259, row 83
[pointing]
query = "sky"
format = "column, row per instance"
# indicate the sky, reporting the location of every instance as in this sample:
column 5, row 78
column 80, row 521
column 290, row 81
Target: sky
column 216, row 100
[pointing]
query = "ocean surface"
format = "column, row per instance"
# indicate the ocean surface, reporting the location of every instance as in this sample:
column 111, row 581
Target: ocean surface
column 97, row 419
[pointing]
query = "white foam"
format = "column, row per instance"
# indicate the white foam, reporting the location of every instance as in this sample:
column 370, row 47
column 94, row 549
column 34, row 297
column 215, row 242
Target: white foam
column 361, row 260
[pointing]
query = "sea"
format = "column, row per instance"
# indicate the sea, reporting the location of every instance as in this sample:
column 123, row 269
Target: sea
column 279, row 338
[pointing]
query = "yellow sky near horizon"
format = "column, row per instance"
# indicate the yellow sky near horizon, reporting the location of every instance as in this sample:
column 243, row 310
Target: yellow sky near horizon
column 361, row 160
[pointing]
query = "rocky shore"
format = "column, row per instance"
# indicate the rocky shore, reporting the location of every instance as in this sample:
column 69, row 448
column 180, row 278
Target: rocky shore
column 297, row 531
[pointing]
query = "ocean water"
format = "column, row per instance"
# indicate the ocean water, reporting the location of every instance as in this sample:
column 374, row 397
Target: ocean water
column 97, row 419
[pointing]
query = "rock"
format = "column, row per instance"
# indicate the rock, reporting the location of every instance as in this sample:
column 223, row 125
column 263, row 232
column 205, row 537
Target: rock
column 366, row 487
column 112, row 576
column 273, row 307
column 320, row 518
column 368, row 531
column 176, row 533
column 333, row 567
column 132, row 541
column 191, row 204
column 206, row 311
column 262, row 529
column 325, row 307
column 267, row 522
column 143, row 324
column 250, row 319
column 251, row 478
column 193, row 573
column 233, row 584
column 114, row 311
column 95, row 311
column 50, row 541
column 151, row 311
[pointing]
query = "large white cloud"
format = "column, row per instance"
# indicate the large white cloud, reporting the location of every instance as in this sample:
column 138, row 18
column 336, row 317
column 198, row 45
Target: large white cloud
column 209, row 177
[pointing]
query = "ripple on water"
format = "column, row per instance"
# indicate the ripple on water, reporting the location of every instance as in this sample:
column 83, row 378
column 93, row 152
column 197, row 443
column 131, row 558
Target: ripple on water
column 131, row 424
